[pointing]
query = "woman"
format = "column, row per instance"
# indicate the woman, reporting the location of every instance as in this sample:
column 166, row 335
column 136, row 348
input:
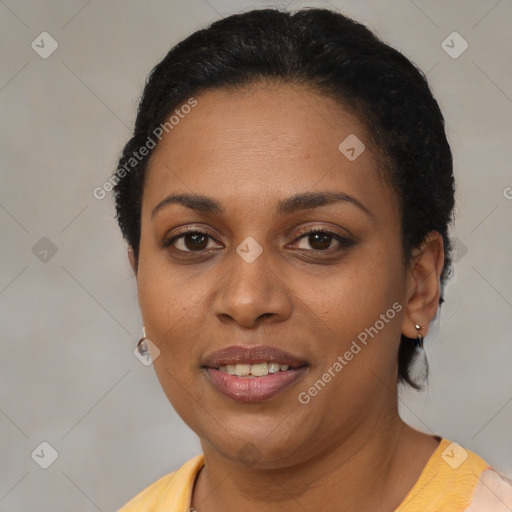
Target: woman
column 286, row 198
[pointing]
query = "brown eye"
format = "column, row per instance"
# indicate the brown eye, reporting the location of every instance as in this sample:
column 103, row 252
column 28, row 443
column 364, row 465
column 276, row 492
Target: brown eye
column 320, row 240
column 189, row 241
column 195, row 241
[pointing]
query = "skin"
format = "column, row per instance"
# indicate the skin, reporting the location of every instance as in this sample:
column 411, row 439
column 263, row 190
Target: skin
column 248, row 149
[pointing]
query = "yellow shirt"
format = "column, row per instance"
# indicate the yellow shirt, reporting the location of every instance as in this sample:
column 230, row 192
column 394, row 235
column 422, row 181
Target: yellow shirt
column 453, row 480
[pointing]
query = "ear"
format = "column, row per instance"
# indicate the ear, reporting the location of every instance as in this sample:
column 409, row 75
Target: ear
column 423, row 285
column 131, row 258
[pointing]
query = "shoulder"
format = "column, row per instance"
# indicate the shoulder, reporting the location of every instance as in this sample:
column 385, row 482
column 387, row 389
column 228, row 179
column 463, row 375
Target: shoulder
column 471, row 479
column 456, row 479
column 493, row 493
column 146, row 498
column 172, row 489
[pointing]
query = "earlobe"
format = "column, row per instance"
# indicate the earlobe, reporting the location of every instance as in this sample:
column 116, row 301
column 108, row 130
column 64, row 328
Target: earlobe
column 132, row 260
column 424, row 284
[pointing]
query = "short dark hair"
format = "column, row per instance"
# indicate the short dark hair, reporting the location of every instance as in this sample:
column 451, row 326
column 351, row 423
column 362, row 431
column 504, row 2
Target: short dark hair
column 333, row 55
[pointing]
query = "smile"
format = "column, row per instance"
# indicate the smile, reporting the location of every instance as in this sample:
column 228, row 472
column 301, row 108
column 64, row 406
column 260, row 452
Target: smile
column 254, row 370
column 252, row 373
column 251, row 383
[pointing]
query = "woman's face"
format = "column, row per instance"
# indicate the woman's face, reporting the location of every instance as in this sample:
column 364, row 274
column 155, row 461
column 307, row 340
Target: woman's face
column 254, row 277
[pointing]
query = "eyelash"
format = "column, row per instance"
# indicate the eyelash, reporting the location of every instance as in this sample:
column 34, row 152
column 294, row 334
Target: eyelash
column 344, row 243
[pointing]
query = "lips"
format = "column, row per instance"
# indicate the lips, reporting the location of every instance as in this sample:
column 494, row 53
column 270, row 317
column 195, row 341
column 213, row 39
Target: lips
column 237, row 354
column 242, row 386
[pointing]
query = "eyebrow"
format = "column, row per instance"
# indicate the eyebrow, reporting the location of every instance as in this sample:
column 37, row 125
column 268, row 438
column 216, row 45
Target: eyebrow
column 298, row 202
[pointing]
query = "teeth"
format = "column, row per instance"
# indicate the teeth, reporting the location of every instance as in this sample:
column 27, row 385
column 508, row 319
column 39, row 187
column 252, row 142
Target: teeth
column 256, row 370
column 273, row 367
column 259, row 370
column 242, row 369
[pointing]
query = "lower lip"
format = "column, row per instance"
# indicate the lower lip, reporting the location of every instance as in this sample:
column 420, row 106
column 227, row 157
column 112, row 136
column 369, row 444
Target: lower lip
column 253, row 389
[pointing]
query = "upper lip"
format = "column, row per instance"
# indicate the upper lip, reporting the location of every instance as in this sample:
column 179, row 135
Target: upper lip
column 238, row 354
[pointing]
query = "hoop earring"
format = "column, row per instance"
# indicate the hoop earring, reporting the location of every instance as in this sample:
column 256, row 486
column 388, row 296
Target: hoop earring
column 142, row 346
column 419, row 340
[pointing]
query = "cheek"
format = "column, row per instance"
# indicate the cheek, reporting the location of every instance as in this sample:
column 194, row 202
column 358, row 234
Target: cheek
column 358, row 313
column 351, row 296
column 166, row 305
column 170, row 313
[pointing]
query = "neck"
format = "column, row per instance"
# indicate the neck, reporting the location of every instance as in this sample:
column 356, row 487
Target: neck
column 357, row 473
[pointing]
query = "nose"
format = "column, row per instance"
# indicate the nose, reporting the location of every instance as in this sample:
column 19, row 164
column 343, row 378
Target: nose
column 252, row 291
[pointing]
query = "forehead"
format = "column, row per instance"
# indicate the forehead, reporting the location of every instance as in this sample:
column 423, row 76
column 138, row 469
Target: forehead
column 263, row 142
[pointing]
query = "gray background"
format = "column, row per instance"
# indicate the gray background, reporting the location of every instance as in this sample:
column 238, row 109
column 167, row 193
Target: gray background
column 70, row 320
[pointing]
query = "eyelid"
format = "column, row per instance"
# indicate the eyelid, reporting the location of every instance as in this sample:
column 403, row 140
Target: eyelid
column 321, row 229
column 343, row 241
column 303, row 232
column 168, row 241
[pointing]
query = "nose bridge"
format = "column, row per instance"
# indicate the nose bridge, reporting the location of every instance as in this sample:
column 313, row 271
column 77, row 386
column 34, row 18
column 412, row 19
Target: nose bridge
column 248, row 274
column 251, row 289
